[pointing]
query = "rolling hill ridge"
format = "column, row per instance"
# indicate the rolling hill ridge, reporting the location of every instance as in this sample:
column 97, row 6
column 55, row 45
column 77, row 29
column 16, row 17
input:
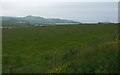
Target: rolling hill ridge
column 33, row 20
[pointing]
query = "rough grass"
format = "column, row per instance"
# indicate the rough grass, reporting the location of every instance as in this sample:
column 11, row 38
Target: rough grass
column 100, row 59
column 79, row 48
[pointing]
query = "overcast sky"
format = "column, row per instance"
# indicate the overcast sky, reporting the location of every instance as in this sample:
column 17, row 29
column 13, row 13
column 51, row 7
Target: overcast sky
column 78, row 10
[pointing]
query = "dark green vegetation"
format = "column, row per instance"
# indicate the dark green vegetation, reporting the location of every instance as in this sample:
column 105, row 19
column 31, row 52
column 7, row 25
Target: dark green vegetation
column 79, row 49
column 14, row 25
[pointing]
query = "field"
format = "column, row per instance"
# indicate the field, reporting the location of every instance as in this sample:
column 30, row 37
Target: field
column 0, row 51
column 61, row 49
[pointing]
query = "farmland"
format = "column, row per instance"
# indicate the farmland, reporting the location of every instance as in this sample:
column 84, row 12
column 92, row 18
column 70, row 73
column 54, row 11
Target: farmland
column 79, row 49
column 0, row 50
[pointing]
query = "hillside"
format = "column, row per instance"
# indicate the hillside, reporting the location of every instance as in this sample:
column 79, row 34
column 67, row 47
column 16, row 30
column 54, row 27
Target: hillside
column 33, row 20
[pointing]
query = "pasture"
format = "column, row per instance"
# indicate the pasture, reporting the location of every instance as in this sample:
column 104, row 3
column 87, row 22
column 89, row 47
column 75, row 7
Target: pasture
column 0, row 50
column 79, row 49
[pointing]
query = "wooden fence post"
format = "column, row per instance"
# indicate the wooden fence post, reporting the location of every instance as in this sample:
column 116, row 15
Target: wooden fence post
column 10, row 69
column 55, row 59
column 118, row 37
column 77, row 52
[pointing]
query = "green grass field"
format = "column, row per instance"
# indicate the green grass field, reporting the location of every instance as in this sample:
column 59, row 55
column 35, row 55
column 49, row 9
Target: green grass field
column 79, row 49
column 0, row 51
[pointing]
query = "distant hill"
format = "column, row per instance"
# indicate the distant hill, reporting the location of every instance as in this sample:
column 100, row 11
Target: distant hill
column 36, row 20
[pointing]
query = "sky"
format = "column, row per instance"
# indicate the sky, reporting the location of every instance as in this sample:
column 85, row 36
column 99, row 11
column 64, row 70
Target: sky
column 119, row 12
column 77, row 10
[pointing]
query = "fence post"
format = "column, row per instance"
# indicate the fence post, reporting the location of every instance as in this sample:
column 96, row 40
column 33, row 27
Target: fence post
column 55, row 59
column 78, row 52
column 118, row 36
column 10, row 69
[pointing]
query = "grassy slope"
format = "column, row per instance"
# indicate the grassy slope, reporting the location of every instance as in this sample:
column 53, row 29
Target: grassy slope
column 12, row 24
column 79, row 48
